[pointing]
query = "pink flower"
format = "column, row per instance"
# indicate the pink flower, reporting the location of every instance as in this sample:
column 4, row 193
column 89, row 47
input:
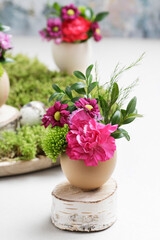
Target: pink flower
column 96, row 31
column 44, row 35
column 56, row 115
column 70, row 12
column 90, row 106
column 54, row 27
column 58, row 41
column 89, row 140
column 5, row 41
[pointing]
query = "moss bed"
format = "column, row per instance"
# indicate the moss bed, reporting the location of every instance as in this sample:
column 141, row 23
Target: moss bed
column 29, row 80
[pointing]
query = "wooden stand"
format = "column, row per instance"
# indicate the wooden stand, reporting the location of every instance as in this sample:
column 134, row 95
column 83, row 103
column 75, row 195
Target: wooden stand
column 9, row 118
column 87, row 211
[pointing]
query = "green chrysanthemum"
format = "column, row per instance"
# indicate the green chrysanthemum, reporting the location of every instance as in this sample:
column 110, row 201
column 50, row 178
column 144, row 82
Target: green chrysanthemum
column 54, row 141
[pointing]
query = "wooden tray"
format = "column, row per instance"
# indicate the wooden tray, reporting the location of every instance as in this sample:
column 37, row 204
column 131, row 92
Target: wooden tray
column 8, row 168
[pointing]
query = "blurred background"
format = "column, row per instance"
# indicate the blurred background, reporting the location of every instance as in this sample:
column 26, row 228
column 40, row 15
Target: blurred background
column 131, row 18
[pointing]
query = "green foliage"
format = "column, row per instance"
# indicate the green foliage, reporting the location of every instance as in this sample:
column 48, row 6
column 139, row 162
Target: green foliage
column 100, row 16
column 25, row 144
column 54, row 141
column 1, row 70
column 31, row 80
column 84, row 89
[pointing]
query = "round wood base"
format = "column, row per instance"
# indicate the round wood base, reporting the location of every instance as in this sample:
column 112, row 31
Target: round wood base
column 86, row 211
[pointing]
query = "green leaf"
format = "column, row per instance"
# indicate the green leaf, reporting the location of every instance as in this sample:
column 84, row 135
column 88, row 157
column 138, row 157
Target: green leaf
column 131, row 117
column 6, row 60
column 59, row 98
column 92, row 86
column 68, row 92
column 88, row 70
column 71, row 108
column 123, row 111
column 117, row 135
column 105, row 108
column 65, row 101
column 78, row 85
column 101, row 16
column 116, row 118
column 56, row 88
column 57, row 7
column 124, row 133
column 90, row 79
column 53, row 96
column 79, row 75
column 81, row 91
column 114, row 93
column 75, row 99
column 131, row 105
column 88, row 13
column 4, row 28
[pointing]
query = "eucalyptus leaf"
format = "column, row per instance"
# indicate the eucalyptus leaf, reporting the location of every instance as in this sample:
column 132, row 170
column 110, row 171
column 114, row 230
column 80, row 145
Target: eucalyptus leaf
column 92, row 86
column 78, row 85
column 101, row 16
column 131, row 105
column 79, row 75
column 88, row 70
column 114, row 93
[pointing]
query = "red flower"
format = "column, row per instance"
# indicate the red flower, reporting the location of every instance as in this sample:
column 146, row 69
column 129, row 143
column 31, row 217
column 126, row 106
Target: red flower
column 75, row 30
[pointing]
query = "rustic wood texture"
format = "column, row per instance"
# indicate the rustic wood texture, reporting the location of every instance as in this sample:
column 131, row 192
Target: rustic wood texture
column 87, row 211
column 9, row 118
column 8, row 168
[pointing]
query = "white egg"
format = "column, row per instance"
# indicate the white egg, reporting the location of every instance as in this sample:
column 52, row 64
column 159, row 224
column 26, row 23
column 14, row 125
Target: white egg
column 32, row 113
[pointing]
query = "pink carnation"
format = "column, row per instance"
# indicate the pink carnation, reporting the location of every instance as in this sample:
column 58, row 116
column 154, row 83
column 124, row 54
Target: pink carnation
column 89, row 140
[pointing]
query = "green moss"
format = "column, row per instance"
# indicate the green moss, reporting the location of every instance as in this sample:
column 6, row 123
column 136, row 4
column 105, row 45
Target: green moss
column 31, row 80
column 25, row 144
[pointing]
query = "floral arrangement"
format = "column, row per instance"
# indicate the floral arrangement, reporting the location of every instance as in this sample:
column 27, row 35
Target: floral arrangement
column 5, row 43
column 72, row 24
column 85, row 127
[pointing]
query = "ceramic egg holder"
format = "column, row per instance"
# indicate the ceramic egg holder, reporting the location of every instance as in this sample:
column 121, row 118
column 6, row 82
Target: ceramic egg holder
column 86, row 211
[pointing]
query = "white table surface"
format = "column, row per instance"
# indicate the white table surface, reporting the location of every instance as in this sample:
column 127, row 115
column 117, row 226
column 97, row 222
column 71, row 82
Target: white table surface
column 25, row 200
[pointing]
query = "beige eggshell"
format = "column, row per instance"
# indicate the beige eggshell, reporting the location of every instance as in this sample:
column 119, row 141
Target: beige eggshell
column 87, row 177
column 4, row 88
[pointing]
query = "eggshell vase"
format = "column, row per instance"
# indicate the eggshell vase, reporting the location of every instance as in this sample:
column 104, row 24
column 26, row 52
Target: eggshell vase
column 4, row 88
column 72, row 56
column 87, row 177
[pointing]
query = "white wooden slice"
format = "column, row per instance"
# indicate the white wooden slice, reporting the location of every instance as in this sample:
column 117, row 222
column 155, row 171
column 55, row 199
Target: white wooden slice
column 8, row 168
column 9, row 118
column 87, row 211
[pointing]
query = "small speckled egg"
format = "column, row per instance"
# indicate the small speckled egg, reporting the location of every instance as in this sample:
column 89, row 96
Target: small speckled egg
column 32, row 113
